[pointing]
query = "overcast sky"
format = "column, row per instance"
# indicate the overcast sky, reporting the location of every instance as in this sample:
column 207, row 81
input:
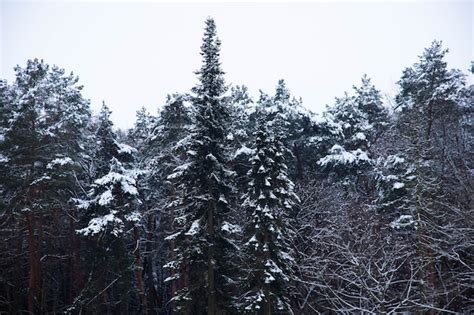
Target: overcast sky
column 133, row 54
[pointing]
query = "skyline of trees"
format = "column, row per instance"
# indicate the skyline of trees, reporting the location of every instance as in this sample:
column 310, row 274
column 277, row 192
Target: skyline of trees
column 225, row 204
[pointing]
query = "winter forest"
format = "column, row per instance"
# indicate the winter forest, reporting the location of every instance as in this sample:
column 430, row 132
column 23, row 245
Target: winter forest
column 226, row 204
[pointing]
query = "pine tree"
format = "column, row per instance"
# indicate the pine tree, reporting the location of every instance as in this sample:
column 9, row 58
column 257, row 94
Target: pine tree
column 270, row 202
column 42, row 144
column 430, row 125
column 203, row 246
column 369, row 102
column 350, row 128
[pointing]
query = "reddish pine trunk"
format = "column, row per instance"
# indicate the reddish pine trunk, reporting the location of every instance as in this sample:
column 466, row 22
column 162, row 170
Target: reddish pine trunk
column 75, row 277
column 139, row 271
column 34, row 281
column 152, row 295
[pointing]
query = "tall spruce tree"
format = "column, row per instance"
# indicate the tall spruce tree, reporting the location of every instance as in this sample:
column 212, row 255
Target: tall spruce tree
column 268, row 257
column 203, row 243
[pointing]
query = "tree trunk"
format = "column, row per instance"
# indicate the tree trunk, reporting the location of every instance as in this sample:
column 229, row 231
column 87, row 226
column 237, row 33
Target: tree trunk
column 139, row 272
column 299, row 163
column 152, row 297
column 76, row 274
column 211, row 290
column 34, row 281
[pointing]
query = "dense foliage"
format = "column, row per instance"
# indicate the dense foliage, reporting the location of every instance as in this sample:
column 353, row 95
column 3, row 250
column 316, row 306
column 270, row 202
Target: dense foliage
column 222, row 204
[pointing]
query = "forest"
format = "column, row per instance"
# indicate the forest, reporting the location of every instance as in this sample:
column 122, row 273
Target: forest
column 221, row 203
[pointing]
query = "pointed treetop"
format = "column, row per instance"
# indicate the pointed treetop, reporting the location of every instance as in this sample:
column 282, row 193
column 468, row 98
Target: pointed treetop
column 282, row 93
column 211, row 80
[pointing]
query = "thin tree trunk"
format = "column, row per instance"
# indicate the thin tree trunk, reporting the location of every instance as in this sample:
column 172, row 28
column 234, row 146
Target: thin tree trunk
column 139, row 272
column 75, row 274
column 152, row 298
column 299, row 163
column 211, row 290
column 34, row 288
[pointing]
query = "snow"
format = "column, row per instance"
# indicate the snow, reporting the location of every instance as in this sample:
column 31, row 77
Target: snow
column 252, row 240
column 230, row 228
column 286, row 256
column 128, row 186
column 172, row 236
column 339, row 156
column 360, row 136
column 99, row 224
column 211, row 157
column 243, row 150
column 403, row 221
column 125, row 148
column 60, row 161
column 269, row 278
column 178, row 171
column 42, row 178
column 105, row 198
column 194, row 229
column 222, row 199
column 127, row 181
column 133, row 217
column 398, row 185
column 81, row 204
column 273, row 267
column 3, row 158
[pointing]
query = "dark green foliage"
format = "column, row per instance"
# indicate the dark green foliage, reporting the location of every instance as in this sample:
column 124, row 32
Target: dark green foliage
column 203, row 218
column 267, row 249
column 202, row 243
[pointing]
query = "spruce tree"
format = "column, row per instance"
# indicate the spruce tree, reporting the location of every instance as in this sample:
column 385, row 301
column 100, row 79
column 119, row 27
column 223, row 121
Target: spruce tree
column 268, row 257
column 202, row 241
column 108, row 213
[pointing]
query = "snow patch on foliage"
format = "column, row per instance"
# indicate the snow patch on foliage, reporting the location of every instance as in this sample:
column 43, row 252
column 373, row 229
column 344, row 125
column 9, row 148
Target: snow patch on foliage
column 125, row 148
column 243, row 150
column 127, row 181
column 230, row 228
column 100, row 224
column 398, row 185
column 59, row 161
column 339, row 156
column 403, row 221
column 194, row 229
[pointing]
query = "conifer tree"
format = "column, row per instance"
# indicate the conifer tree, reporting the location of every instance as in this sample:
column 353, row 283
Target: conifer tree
column 268, row 256
column 42, row 143
column 431, row 103
column 164, row 150
column 350, row 128
column 108, row 213
column 142, row 129
column 203, row 243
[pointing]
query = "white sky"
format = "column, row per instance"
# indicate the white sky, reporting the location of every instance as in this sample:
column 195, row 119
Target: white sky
column 133, row 54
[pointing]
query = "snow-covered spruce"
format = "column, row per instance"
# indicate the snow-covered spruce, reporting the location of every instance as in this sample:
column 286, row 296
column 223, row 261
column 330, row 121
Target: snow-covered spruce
column 267, row 249
column 203, row 239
